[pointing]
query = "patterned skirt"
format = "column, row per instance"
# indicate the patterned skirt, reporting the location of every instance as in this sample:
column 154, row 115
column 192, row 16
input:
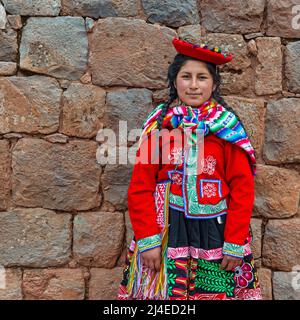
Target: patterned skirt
column 193, row 258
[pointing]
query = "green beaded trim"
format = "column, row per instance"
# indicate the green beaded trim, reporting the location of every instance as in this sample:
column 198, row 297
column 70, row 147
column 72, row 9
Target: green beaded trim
column 234, row 250
column 149, row 242
column 196, row 207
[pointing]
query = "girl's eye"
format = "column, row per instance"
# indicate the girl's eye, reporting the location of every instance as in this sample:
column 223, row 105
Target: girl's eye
column 201, row 77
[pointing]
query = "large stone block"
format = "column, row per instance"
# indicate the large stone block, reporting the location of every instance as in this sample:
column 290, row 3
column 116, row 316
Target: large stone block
column 100, row 8
column 5, row 174
column 29, row 104
column 104, row 283
column 286, row 285
column 115, row 181
column 256, row 227
column 53, row 284
column 271, row 182
column 160, row 96
column 134, row 61
column 240, row 84
column 56, row 176
column 48, row 47
column 173, row 13
column 8, row 45
column 283, row 18
column 83, row 110
column 32, row 8
column 268, row 72
column 235, row 16
column 292, row 65
column 98, row 238
column 11, row 289
column 34, row 238
column 282, row 135
column 251, row 112
column 265, row 280
column 190, row 33
column 281, row 246
column 132, row 106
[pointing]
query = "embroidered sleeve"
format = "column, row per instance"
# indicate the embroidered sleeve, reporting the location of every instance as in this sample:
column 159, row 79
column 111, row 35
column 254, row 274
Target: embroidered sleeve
column 141, row 201
column 241, row 198
column 234, row 250
column 149, row 242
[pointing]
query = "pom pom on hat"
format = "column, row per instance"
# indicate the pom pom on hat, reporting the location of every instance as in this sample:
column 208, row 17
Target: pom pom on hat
column 202, row 52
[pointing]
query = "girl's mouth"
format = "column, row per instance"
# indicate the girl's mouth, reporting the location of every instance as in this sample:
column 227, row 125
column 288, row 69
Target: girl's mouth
column 194, row 95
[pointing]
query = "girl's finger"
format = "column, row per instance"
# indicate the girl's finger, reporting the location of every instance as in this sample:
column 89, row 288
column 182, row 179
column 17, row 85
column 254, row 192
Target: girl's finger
column 151, row 265
column 223, row 263
column 157, row 265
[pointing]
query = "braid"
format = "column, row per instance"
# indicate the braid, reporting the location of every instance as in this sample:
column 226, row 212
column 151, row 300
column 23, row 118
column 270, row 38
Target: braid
column 172, row 97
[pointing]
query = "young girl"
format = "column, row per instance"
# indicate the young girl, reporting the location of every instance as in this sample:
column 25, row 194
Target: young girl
column 191, row 214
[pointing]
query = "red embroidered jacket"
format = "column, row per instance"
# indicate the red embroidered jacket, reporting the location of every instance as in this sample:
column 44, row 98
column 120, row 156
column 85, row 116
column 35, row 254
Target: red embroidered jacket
column 226, row 183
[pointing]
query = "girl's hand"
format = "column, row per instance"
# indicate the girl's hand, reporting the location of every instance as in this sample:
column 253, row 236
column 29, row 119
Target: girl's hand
column 229, row 263
column 152, row 258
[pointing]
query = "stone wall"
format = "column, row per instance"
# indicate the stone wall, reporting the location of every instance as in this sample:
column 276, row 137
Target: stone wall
column 69, row 68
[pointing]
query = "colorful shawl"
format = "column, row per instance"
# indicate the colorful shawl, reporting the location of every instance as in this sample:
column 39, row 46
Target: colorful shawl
column 210, row 117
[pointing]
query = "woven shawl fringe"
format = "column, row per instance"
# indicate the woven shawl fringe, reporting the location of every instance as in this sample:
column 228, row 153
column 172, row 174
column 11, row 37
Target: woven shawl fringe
column 144, row 283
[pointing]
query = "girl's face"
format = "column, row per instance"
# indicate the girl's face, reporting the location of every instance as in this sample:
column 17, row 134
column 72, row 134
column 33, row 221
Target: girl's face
column 194, row 83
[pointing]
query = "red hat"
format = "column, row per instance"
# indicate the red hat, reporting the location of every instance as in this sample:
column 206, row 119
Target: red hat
column 202, row 51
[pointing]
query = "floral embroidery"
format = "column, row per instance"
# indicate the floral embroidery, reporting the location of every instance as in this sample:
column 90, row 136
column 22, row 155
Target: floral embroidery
column 177, row 178
column 248, row 294
column 243, row 275
column 208, row 165
column 176, row 156
column 209, row 190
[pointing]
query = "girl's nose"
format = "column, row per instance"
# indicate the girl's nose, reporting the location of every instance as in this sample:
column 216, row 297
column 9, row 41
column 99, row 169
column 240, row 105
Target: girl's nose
column 194, row 83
